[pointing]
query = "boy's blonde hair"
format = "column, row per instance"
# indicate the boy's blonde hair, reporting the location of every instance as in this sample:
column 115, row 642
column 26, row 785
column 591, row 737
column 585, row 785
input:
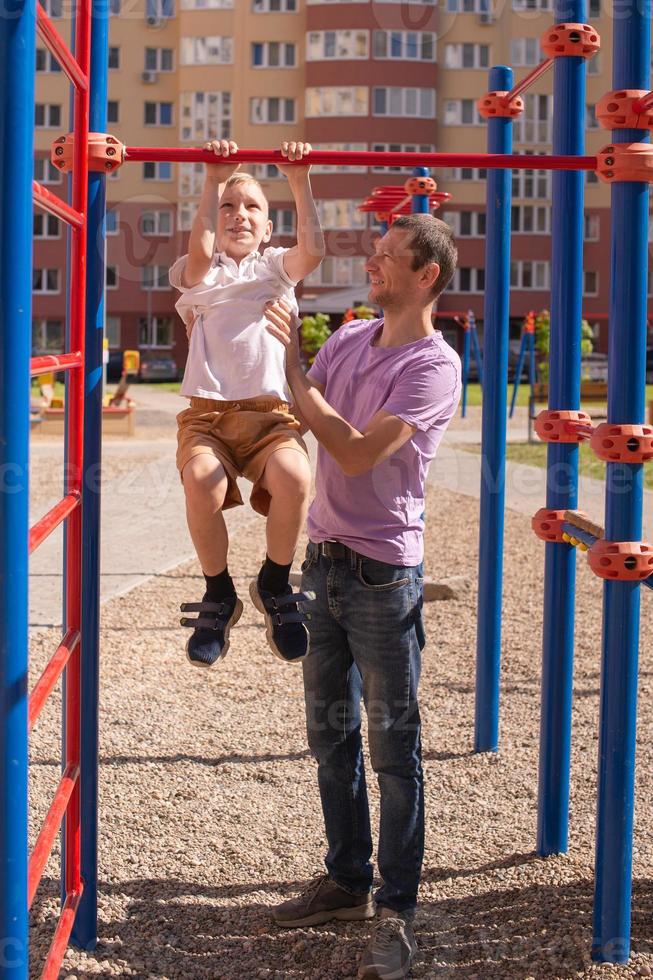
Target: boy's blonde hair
column 239, row 177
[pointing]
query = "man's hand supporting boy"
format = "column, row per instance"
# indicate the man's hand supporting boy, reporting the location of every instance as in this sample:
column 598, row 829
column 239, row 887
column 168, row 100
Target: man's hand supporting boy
column 309, row 251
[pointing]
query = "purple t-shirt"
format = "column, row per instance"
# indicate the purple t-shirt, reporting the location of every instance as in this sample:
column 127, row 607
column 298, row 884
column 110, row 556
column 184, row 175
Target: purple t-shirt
column 378, row 513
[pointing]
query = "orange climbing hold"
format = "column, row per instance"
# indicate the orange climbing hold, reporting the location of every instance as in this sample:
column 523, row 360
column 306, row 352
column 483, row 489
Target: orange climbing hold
column 625, row 161
column 627, row 561
column 622, row 110
column 420, row 185
column 492, row 106
column 623, row 443
column 563, row 426
column 580, row 40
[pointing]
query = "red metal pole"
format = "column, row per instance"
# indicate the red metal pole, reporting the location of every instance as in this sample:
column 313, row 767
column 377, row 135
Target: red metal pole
column 45, row 684
column 45, row 199
column 644, row 104
column 56, row 44
column 49, row 830
column 47, row 363
column 43, row 528
column 526, row 82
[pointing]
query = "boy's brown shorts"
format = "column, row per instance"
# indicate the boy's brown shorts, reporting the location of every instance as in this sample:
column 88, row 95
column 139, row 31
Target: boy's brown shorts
column 242, row 435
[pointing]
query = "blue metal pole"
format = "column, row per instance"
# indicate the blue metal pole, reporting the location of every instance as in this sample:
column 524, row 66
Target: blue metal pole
column 476, row 348
column 493, row 444
column 420, row 202
column 562, row 460
column 520, row 368
column 17, row 67
column 84, row 933
column 623, row 514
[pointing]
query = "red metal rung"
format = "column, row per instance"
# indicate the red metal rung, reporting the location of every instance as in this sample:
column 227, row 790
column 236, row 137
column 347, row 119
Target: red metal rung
column 563, row 426
column 526, row 82
column 47, row 363
column 55, row 668
column 56, row 44
column 43, row 847
column 59, row 944
column 45, row 199
column 627, row 561
column 623, row 443
column 43, row 528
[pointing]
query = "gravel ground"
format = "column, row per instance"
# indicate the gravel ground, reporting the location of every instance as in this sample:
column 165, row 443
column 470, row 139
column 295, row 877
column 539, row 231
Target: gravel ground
column 210, row 811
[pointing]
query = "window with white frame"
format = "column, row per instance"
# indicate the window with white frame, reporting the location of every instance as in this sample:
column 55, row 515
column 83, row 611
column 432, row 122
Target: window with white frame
column 46, row 225
column 157, row 10
column 47, row 336
column 155, row 170
column 531, row 219
column 112, row 330
column 348, row 147
column 591, row 122
column 156, row 223
column 468, row 279
column 400, row 148
column 525, row 52
column 47, row 116
column 540, row 5
column 274, row 54
column 186, row 215
column 211, row 50
column 337, row 45
column 594, row 64
column 155, row 331
column 53, row 8
column 339, row 271
column 531, row 184
column 590, row 282
column 274, row 6
column 592, row 227
column 154, row 277
column 191, row 179
column 404, row 45
column 272, row 110
column 283, row 221
column 159, row 59
column 344, row 100
column 112, row 221
column 461, row 112
column 45, row 171
column 466, row 55
column 530, row 275
column 205, row 116
column 111, row 276
column 207, row 4
column 469, row 7
column 46, row 61
column 342, row 213
column 464, row 173
column 45, row 280
column 114, row 58
column 416, row 103
column 266, row 171
column 466, row 224
column 157, row 113
column 534, row 125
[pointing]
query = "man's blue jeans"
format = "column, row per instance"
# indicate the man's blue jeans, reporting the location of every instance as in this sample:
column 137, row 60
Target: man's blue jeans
column 364, row 631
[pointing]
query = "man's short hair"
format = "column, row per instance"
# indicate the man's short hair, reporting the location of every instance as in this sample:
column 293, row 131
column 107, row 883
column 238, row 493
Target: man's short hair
column 431, row 240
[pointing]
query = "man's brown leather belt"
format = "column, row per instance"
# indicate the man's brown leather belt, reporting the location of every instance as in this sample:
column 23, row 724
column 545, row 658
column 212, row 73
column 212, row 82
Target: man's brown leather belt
column 335, row 550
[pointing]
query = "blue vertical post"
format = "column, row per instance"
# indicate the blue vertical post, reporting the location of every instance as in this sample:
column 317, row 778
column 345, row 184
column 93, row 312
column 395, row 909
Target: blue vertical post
column 84, row 933
column 493, row 443
column 623, row 514
column 567, row 223
column 17, row 67
column 520, row 367
column 420, row 202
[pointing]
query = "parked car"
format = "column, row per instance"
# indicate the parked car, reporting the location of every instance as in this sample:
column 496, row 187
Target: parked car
column 158, row 367
column 114, row 366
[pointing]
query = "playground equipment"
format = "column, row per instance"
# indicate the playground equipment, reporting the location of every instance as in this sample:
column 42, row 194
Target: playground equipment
column 622, row 557
column 526, row 353
column 470, row 345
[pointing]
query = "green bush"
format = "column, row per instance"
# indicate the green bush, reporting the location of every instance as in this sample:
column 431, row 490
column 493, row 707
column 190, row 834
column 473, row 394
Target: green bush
column 315, row 332
column 542, row 335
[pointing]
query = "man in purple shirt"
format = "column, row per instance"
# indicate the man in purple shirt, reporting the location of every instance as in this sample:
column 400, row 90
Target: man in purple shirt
column 378, row 399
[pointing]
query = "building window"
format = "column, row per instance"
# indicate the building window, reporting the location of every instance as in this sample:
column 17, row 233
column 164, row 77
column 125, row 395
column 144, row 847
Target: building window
column 161, row 170
column 470, row 7
column 45, row 280
column 461, row 112
column 594, row 64
column 531, row 219
column 47, row 336
column 155, row 277
column 46, row 61
column 534, row 125
column 466, row 55
column 205, row 116
column 400, row 148
column 45, row 172
column 525, row 52
column 342, row 101
column 464, row 173
column 337, row 45
column 266, row 171
column 111, row 276
column 114, row 57
column 186, row 215
column 273, row 54
column 591, row 177
column 159, row 59
column 590, row 282
column 339, row 271
column 592, row 227
column 348, row 147
column 341, row 213
column 157, row 114
column 466, row 224
column 531, row 184
column 274, row 6
column 404, row 45
column 271, row 110
column 157, row 223
column 53, row 8
column 112, row 330
column 113, row 111
column 283, row 221
column 213, row 50
column 112, row 221
column 591, row 122
column 47, row 116
column 405, row 102
column 191, row 179
column 530, row 275
column 207, row 4
column 155, row 331
column 541, row 5
column 158, row 10
column 468, row 280
column 46, row 225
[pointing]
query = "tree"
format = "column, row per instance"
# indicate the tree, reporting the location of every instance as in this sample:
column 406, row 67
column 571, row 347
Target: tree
column 315, row 332
column 542, row 339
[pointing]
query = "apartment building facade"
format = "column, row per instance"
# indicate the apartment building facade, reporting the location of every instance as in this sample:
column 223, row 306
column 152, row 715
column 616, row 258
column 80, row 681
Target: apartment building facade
column 362, row 74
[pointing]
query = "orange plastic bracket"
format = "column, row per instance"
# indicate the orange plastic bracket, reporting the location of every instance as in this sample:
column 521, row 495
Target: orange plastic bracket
column 105, row 152
column 621, row 110
column 629, row 561
column 564, row 40
column 625, row 161
column 547, row 524
column 623, row 443
column 491, row 106
column 420, row 185
column 559, row 426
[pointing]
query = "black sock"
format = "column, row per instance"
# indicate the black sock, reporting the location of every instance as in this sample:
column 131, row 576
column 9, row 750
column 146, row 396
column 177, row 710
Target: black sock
column 219, row 587
column 274, row 578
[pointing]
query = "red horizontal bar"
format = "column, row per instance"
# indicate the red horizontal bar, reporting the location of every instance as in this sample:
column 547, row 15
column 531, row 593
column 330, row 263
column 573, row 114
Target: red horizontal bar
column 526, row 82
column 45, row 199
column 643, row 104
column 56, row 44
column 54, row 362
column 55, row 668
column 43, row 847
column 59, row 944
column 43, row 528
column 349, row 158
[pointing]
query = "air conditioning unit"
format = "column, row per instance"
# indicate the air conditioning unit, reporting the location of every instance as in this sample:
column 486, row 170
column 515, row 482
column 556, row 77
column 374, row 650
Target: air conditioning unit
column 149, row 77
column 486, row 18
column 154, row 21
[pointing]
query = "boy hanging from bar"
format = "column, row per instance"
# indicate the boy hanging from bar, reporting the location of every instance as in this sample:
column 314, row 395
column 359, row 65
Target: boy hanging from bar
column 239, row 422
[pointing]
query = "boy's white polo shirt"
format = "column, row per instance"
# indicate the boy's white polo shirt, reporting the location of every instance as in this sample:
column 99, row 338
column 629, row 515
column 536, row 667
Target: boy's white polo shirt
column 231, row 354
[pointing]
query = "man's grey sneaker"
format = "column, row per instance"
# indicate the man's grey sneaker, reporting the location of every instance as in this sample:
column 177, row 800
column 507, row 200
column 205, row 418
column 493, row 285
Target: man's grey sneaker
column 210, row 640
column 391, row 949
column 285, row 622
column 322, row 901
